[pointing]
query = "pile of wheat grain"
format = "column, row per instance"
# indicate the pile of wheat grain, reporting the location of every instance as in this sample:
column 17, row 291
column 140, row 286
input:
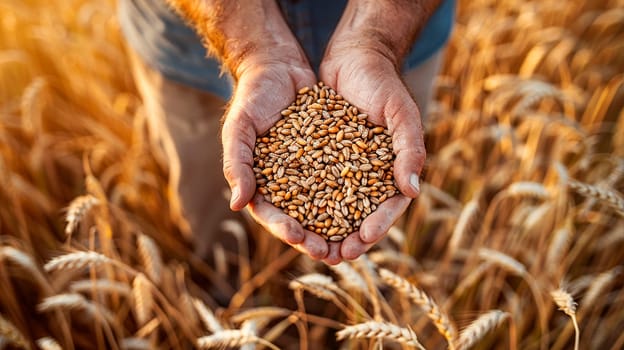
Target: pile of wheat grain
column 515, row 241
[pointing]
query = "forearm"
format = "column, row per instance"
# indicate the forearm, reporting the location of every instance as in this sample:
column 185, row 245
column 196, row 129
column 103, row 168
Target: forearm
column 239, row 31
column 389, row 27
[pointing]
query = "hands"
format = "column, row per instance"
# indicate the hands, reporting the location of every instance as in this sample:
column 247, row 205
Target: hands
column 366, row 74
column 369, row 80
column 361, row 62
column 263, row 89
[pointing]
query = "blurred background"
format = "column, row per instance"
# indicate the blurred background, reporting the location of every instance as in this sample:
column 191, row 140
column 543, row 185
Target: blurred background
column 515, row 242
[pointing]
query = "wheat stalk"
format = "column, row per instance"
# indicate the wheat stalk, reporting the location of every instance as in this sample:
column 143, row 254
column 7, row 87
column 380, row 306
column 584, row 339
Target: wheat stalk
column 426, row 303
column 479, row 327
column 231, row 338
column 374, row 329
column 566, row 303
column 150, row 257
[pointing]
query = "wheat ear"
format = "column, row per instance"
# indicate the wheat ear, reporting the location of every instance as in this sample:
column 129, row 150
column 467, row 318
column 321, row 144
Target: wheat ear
column 73, row 301
column 231, row 338
column 608, row 197
column 100, row 285
column 374, row 329
column 77, row 260
column 150, row 257
column 479, row 327
column 77, row 210
column 566, row 303
column 428, row 305
column 143, row 298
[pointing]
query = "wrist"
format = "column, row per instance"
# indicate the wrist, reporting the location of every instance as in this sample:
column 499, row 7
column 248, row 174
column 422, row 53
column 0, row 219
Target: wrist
column 242, row 33
column 386, row 27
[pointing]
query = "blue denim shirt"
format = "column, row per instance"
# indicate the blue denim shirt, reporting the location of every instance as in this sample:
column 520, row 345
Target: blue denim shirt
column 168, row 45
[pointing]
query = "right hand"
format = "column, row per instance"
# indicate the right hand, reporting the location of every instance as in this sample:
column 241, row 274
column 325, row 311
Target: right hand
column 264, row 88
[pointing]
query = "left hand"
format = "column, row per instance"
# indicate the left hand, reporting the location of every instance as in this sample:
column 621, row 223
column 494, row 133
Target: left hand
column 368, row 78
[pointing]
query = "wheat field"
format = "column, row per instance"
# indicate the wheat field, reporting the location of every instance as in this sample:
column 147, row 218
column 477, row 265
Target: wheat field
column 516, row 242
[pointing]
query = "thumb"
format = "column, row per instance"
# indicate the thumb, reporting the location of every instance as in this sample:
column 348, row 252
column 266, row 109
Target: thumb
column 238, row 136
column 403, row 119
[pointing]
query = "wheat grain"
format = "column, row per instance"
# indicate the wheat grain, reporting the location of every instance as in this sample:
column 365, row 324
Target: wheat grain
column 426, row 303
column 566, row 303
column 150, row 257
column 479, row 327
column 231, row 338
column 374, row 329
column 325, row 164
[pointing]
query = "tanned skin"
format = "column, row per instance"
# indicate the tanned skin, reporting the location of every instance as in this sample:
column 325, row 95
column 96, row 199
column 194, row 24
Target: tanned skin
column 362, row 62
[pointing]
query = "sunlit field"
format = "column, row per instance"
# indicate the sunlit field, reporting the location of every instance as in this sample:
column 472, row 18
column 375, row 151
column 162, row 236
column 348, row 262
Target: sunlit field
column 516, row 241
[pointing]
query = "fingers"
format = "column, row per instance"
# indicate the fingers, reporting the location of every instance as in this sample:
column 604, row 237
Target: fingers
column 374, row 227
column 404, row 123
column 333, row 257
column 287, row 229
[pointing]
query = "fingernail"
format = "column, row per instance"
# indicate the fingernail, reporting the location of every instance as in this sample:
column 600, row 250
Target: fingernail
column 415, row 182
column 235, row 195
